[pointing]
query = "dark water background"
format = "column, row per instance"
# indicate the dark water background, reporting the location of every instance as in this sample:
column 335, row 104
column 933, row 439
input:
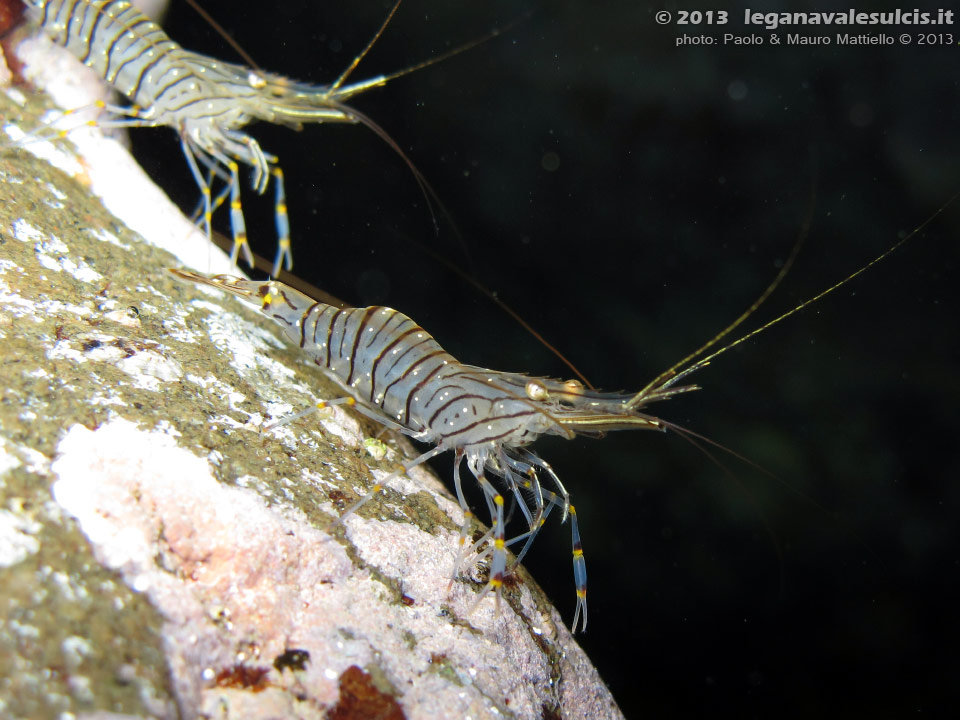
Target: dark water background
column 629, row 198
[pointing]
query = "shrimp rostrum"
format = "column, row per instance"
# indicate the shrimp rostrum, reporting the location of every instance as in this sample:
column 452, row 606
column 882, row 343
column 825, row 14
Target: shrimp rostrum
column 205, row 100
column 397, row 374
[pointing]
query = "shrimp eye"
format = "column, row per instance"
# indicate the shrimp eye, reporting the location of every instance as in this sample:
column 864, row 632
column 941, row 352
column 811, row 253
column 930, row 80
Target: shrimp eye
column 255, row 80
column 573, row 386
column 537, row 391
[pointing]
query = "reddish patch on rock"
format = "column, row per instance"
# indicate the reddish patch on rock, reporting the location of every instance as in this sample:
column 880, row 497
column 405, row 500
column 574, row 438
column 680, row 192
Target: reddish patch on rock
column 512, row 580
column 361, row 700
column 11, row 11
column 245, row 677
column 337, row 496
column 11, row 16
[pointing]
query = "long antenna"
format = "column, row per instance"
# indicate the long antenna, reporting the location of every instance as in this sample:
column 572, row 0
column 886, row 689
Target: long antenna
column 671, row 373
column 480, row 287
column 356, row 61
column 637, row 399
column 208, row 18
column 381, row 79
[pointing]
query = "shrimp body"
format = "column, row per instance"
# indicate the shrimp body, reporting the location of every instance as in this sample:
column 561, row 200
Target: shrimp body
column 205, row 100
column 398, row 374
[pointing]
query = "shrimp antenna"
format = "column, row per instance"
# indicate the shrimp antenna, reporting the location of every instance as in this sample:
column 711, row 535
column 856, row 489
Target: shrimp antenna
column 429, row 194
column 356, row 61
column 336, row 89
column 425, row 63
column 671, row 375
column 238, row 48
column 431, row 197
column 496, row 32
column 480, row 287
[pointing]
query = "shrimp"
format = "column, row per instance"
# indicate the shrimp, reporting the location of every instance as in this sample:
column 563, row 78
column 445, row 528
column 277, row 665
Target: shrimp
column 206, row 101
column 396, row 373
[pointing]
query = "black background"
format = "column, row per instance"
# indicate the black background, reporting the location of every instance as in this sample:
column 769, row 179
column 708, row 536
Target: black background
column 684, row 176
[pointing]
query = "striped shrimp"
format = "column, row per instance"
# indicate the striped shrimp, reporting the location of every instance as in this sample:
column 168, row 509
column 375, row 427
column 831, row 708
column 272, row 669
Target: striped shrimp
column 205, row 100
column 397, row 374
